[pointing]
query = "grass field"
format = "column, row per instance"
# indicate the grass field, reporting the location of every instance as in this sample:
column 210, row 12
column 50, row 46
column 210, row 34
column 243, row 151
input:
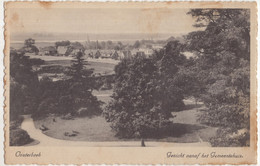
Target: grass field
column 103, row 95
column 100, row 66
column 185, row 127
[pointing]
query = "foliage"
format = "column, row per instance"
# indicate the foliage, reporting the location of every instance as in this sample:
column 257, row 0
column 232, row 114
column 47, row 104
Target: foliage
column 145, row 94
column 23, row 85
column 62, row 43
column 29, row 42
column 115, row 56
column 78, row 72
column 52, row 69
column 224, row 139
column 19, row 137
column 222, row 69
column 73, row 95
column 36, row 61
column 137, row 44
column 108, row 45
column 29, row 46
column 77, row 45
column 81, row 85
column 191, row 85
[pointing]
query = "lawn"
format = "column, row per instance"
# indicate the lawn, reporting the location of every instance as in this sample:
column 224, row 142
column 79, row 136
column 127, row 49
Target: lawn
column 90, row 129
column 104, row 95
column 100, row 66
column 184, row 129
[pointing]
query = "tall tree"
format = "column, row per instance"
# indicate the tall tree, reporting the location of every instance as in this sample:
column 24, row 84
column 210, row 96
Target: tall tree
column 145, row 94
column 77, row 70
column 29, row 46
column 23, row 85
column 137, row 44
column 81, row 84
column 29, row 42
column 223, row 67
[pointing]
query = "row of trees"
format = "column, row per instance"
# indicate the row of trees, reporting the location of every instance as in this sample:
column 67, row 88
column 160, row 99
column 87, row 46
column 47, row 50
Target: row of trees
column 148, row 43
column 104, row 45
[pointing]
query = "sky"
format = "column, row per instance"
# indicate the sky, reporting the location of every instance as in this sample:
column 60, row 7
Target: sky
column 97, row 20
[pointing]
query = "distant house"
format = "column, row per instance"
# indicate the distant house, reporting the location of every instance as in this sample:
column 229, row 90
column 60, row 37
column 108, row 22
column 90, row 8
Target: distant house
column 106, row 53
column 62, row 50
column 115, row 55
column 93, row 53
column 148, row 52
column 89, row 53
column 157, row 46
column 145, row 52
column 134, row 51
column 49, row 51
column 74, row 52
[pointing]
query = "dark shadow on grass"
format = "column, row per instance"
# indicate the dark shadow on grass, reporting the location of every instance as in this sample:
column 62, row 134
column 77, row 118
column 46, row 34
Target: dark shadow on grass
column 179, row 129
column 175, row 130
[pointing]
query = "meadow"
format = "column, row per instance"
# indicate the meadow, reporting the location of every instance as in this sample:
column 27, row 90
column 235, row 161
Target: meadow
column 185, row 128
column 100, row 66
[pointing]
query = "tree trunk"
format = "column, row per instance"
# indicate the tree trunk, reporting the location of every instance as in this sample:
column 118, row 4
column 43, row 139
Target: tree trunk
column 142, row 143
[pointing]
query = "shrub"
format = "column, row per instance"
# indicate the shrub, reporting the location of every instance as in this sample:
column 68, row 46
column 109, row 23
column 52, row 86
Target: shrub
column 19, row 137
column 225, row 138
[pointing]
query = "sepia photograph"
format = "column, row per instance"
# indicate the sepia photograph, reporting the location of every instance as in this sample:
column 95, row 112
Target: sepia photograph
column 113, row 76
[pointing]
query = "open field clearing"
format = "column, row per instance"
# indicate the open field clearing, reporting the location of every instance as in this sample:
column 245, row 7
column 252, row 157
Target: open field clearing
column 60, row 58
column 184, row 129
column 100, row 66
column 90, row 129
column 44, row 140
column 104, row 95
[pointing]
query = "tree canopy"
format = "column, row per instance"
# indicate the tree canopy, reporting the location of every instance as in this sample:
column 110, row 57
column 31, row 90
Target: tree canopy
column 145, row 93
column 23, row 85
column 222, row 69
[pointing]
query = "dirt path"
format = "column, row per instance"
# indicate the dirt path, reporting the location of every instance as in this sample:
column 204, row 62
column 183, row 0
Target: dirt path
column 45, row 140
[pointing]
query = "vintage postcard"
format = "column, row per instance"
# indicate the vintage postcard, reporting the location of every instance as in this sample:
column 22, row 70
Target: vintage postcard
column 130, row 82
